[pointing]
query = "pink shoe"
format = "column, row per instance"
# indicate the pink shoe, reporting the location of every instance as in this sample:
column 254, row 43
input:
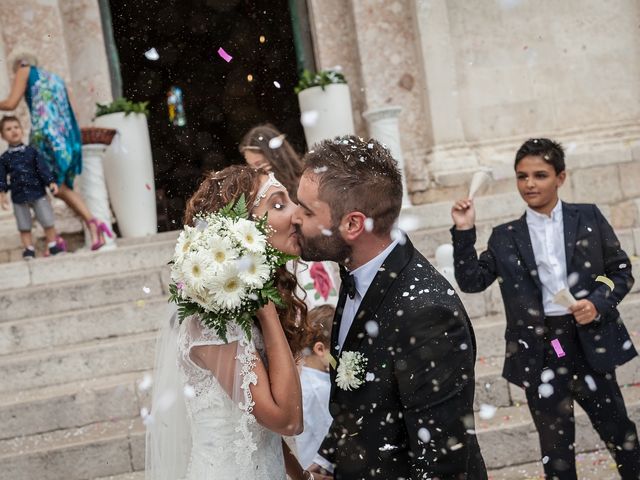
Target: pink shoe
column 102, row 229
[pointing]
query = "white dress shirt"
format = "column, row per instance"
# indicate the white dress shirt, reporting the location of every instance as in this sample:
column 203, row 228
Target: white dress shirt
column 362, row 276
column 547, row 240
column 316, row 388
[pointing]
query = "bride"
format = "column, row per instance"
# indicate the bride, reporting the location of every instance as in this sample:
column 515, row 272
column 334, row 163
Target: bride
column 219, row 409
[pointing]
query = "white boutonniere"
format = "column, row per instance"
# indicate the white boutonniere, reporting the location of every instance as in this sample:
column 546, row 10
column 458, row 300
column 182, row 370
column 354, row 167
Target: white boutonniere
column 351, row 370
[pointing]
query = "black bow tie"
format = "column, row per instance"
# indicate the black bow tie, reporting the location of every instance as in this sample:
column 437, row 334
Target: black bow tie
column 348, row 282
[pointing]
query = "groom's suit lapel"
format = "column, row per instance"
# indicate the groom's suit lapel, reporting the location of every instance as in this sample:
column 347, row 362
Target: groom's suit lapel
column 382, row 283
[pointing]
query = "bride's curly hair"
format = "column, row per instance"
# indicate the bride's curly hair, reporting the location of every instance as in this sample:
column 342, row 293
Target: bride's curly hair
column 217, row 190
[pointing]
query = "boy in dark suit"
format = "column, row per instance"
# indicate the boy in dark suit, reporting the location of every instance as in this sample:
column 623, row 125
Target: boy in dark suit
column 557, row 354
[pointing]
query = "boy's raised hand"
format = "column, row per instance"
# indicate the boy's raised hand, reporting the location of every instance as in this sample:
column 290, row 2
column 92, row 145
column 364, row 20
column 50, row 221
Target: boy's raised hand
column 463, row 214
column 54, row 188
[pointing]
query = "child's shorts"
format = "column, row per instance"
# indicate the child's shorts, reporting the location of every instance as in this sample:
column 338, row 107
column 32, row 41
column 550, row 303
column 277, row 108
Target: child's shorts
column 44, row 214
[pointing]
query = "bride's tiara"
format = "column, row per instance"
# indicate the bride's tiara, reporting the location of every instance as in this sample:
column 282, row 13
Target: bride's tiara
column 272, row 181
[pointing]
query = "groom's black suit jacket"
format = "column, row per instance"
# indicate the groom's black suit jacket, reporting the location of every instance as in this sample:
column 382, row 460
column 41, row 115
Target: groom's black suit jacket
column 414, row 420
column 591, row 249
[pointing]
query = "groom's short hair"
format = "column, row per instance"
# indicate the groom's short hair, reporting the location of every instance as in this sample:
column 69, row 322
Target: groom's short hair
column 357, row 175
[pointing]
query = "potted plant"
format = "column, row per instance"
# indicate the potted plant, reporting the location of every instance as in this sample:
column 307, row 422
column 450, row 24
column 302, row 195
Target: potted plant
column 325, row 104
column 128, row 167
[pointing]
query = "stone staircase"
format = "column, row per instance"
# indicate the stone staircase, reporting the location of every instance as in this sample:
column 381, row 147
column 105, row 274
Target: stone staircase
column 77, row 333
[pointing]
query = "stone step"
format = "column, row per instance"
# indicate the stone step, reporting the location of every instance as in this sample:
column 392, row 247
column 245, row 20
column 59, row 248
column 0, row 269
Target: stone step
column 70, row 405
column 84, row 264
column 77, row 362
column 598, row 465
column 513, row 430
column 80, row 326
column 124, row 476
column 97, row 450
column 80, row 294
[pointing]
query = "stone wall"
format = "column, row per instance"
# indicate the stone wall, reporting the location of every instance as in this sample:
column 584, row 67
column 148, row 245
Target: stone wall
column 66, row 37
column 476, row 79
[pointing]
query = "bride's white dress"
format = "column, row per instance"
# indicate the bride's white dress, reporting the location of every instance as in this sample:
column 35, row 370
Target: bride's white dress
column 226, row 440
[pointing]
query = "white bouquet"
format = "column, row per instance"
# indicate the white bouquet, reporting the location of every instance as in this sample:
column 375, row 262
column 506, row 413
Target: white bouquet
column 223, row 269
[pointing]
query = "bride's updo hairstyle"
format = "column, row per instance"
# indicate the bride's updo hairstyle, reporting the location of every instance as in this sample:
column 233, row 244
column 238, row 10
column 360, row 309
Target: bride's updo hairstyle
column 225, row 186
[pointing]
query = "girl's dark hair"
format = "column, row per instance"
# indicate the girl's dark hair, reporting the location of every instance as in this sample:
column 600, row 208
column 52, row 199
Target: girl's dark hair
column 551, row 152
column 320, row 325
column 217, row 190
column 284, row 161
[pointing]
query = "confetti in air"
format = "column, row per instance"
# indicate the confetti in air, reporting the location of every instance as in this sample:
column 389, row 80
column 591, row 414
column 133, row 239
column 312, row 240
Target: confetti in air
column 224, row 55
column 487, row 411
column 146, row 290
column 147, row 186
column 424, row 435
column 368, row 224
column 555, row 343
column 309, row 118
column 145, row 383
column 276, row 142
column 276, row 84
column 152, row 54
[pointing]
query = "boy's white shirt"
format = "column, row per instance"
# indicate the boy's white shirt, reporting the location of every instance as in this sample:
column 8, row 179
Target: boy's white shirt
column 316, row 388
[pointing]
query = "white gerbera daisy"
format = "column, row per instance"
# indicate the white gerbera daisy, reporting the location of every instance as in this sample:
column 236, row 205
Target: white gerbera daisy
column 248, row 235
column 254, row 270
column 221, row 251
column 227, row 287
column 185, row 241
column 196, row 270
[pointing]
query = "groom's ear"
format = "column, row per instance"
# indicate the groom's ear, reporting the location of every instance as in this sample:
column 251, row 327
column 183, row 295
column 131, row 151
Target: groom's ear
column 353, row 225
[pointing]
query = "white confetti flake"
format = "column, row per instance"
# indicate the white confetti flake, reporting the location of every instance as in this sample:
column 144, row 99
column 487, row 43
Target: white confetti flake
column 409, row 223
column 397, row 234
column 463, row 346
column 276, row 142
column 547, row 375
column 591, row 383
column 369, row 377
column 368, row 224
column 545, row 390
column 326, row 232
column 545, row 460
column 627, row 345
column 487, row 411
column 523, row 343
column 189, row 391
column 276, row 84
column 319, row 170
column 386, row 447
column 152, row 54
column 372, row 328
column 145, row 383
column 309, row 118
column 424, row 435
column 146, row 290
column 450, row 291
column 622, row 266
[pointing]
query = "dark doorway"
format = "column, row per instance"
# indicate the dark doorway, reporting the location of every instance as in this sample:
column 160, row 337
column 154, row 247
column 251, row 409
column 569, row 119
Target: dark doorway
column 222, row 100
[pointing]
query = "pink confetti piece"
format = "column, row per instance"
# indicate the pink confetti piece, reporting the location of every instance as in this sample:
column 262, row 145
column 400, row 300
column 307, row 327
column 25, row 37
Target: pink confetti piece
column 147, row 186
column 555, row 343
column 224, row 55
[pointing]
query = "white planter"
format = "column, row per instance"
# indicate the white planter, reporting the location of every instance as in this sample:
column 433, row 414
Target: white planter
column 94, row 190
column 333, row 107
column 383, row 126
column 128, row 170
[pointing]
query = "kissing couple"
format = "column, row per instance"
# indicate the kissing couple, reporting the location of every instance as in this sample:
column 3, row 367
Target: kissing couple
column 402, row 347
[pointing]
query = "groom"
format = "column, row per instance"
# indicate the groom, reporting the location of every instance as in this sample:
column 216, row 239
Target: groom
column 408, row 412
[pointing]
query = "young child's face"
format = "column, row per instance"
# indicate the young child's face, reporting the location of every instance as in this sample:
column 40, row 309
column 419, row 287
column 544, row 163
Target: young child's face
column 12, row 133
column 538, row 183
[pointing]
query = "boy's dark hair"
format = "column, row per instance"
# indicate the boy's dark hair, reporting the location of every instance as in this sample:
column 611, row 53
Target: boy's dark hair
column 551, row 152
column 357, row 175
column 7, row 119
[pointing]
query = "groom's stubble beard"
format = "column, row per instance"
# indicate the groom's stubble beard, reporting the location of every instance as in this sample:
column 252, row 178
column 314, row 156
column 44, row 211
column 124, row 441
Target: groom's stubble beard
column 324, row 247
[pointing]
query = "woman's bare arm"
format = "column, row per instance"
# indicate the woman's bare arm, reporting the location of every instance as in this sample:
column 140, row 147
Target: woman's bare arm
column 17, row 89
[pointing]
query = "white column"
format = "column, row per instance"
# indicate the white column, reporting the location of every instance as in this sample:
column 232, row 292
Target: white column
column 94, row 190
column 383, row 126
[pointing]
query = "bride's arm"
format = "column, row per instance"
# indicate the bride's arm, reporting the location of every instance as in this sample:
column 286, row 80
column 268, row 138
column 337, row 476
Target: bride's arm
column 277, row 394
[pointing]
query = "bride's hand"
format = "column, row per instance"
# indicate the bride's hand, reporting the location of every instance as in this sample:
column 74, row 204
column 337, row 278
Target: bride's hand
column 267, row 313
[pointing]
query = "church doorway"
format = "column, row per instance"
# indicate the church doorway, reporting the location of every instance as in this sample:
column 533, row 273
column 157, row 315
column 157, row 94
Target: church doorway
column 168, row 44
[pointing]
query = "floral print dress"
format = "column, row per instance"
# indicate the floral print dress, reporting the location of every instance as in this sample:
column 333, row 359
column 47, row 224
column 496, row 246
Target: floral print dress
column 54, row 130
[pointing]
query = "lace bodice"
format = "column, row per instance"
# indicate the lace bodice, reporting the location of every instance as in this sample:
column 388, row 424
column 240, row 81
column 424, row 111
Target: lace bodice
column 227, row 442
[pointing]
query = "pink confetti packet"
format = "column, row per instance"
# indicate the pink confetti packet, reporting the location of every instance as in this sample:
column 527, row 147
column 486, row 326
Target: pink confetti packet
column 555, row 343
column 224, row 55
